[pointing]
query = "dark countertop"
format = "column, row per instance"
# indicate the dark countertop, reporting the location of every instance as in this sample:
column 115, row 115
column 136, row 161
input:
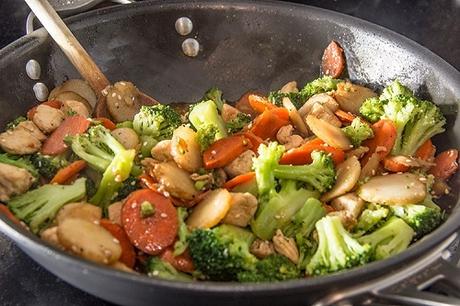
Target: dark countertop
column 434, row 24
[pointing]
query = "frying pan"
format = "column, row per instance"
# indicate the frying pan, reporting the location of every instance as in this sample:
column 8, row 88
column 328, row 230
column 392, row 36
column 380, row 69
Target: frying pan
column 244, row 45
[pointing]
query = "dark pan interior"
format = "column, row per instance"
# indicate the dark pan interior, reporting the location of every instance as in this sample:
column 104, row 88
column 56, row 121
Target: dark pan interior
column 245, row 45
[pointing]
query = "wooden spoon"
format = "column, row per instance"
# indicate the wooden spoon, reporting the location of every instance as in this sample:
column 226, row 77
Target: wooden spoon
column 77, row 54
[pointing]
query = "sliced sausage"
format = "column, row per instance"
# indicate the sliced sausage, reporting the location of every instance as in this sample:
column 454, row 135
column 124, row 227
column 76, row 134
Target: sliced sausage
column 333, row 61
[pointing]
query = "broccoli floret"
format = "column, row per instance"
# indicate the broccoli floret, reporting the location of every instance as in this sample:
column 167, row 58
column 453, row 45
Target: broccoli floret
column 156, row 267
column 421, row 218
column 320, row 174
column 104, row 153
column 238, row 123
column 11, row 125
column 214, row 94
column 182, row 234
column 303, row 222
column 47, row 166
column 206, row 120
column 158, row 121
column 390, row 239
column 358, row 131
column 371, row 217
column 129, row 185
column 271, row 269
column 276, row 98
column 337, row 249
column 206, row 136
column 320, row 85
column 38, row 207
column 220, row 254
column 372, row 109
column 395, row 89
column 20, row 162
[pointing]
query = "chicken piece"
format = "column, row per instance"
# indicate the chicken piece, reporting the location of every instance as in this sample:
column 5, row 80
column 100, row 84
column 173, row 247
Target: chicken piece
column 114, row 212
column 240, row 165
column 351, row 96
column 346, row 218
column 243, row 206
column 323, row 99
column 24, row 139
column 73, row 107
column 123, row 101
column 262, row 248
column 229, row 112
column 286, row 137
column 349, row 202
column 323, row 112
column 50, row 236
column 289, row 87
column 162, row 151
column 286, row 246
column 48, row 118
column 13, row 181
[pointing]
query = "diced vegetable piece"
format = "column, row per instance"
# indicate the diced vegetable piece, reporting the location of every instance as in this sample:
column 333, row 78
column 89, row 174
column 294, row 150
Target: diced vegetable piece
column 383, row 141
column 225, row 150
column 211, row 210
column 267, row 124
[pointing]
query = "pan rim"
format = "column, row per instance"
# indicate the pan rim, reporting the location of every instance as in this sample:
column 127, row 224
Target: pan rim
column 421, row 247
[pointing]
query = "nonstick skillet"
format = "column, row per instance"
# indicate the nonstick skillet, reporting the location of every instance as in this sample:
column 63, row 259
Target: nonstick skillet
column 244, row 45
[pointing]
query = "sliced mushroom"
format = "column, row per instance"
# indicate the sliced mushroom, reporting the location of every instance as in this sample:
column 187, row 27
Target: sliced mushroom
column 393, row 189
column 322, row 112
column 185, row 149
column 289, row 87
column 262, row 248
column 328, row 133
column 127, row 137
column 243, row 206
column 48, row 118
column 240, row 165
column 211, row 210
column 162, row 151
column 85, row 211
column 371, row 168
column 286, row 137
column 295, row 117
column 323, row 99
column 123, row 101
column 69, row 95
column 351, row 96
column 347, row 176
column 349, row 202
column 77, row 86
column 286, row 246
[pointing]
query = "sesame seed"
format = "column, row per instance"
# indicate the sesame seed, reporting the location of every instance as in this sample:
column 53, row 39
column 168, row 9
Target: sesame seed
column 114, row 95
column 446, row 191
column 163, row 215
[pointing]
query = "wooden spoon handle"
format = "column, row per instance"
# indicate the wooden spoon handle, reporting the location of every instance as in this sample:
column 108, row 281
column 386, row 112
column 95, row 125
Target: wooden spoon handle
column 69, row 44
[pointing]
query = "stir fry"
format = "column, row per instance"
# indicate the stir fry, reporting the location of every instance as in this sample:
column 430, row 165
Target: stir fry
column 299, row 182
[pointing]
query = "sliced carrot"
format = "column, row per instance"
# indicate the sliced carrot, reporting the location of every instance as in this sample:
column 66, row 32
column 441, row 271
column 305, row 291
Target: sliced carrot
column 255, row 141
column 445, row 164
column 152, row 234
column 426, row 150
column 345, row 117
column 182, row 262
column 240, row 179
column 267, row 124
column 224, row 151
column 73, row 125
column 302, row 154
column 259, row 103
column 393, row 166
column 65, row 174
column 128, row 255
column 383, row 140
column 243, row 104
column 7, row 212
column 107, row 123
column 51, row 103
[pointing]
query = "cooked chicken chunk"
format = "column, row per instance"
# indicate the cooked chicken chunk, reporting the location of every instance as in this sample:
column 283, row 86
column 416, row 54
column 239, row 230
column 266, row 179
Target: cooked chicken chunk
column 345, row 217
column 262, row 248
column 323, row 99
column 162, row 151
column 48, row 118
column 243, row 206
column 323, row 112
column 349, row 202
column 286, row 246
column 240, row 165
column 24, row 139
column 229, row 112
column 50, row 236
column 114, row 212
column 13, row 181
column 286, row 137
column 72, row 107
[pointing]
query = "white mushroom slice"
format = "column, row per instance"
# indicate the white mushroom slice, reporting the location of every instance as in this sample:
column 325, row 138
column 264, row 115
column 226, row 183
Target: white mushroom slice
column 79, row 87
column 371, row 167
column 393, row 189
column 322, row 112
column 127, row 137
column 175, row 180
column 69, row 95
column 114, row 212
column 349, row 202
column 89, row 241
column 296, row 119
column 123, row 101
column 20, row 141
column 323, row 99
column 48, row 118
column 185, row 149
column 229, row 112
column 13, row 181
column 351, row 96
column 85, row 211
column 347, row 176
column 72, row 107
column 240, row 165
column 211, row 210
column 162, row 151
column 289, row 87
column 243, row 206
column 328, row 133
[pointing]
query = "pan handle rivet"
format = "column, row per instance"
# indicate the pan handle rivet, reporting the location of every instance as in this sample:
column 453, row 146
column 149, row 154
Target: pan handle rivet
column 184, row 26
column 41, row 91
column 191, row 47
column 33, row 69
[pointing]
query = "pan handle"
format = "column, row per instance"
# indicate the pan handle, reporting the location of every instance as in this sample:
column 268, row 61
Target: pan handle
column 409, row 285
column 31, row 17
